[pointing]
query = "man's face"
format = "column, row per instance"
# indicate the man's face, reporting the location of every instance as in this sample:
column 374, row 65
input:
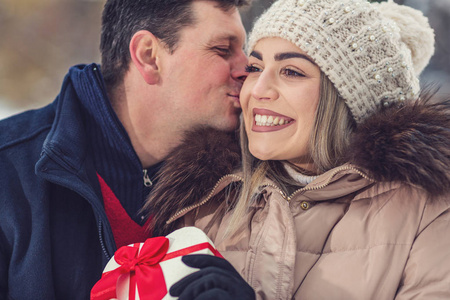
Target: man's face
column 204, row 75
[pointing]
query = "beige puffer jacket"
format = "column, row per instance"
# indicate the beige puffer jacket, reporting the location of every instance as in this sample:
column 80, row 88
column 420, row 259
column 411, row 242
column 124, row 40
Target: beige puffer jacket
column 341, row 237
column 375, row 228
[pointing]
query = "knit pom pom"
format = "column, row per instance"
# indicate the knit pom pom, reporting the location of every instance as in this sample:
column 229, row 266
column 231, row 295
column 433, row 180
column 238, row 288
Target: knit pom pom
column 415, row 32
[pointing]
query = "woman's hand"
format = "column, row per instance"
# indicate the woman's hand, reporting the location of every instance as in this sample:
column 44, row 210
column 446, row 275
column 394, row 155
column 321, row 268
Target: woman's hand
column 216, row 279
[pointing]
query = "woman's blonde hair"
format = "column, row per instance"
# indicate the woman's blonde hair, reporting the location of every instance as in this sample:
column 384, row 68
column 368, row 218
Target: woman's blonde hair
column 328, row 144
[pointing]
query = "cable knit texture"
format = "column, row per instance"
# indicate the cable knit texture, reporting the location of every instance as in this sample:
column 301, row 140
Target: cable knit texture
column 373, row 53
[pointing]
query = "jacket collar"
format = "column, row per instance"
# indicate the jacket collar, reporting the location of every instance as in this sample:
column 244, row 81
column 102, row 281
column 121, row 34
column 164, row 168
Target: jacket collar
column 65, row 151
column 85, row 117
column 65, row 148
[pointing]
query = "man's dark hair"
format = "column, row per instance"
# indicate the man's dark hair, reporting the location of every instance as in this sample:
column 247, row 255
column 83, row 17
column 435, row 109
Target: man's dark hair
column 123, row 18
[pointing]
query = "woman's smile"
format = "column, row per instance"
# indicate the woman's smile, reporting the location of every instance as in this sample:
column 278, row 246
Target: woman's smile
column 266, row 120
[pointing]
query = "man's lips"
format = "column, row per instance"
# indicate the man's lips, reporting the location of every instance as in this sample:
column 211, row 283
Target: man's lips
column 265, row 120
column 236, row 97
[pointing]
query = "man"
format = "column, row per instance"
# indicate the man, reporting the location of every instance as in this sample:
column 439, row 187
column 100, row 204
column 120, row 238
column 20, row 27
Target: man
column 74, row 174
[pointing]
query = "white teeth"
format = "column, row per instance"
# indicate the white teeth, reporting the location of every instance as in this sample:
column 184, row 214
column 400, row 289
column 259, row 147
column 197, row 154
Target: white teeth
column 267, row 120
column 276, row 121
column 264, row 119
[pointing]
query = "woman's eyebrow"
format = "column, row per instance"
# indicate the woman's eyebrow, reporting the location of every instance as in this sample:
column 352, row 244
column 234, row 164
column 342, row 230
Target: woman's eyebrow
column 256, row 54
column 287, row 55
column 283, row 56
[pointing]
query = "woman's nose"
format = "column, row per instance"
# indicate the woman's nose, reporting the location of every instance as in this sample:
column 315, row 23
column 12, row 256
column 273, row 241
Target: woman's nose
column 264, row 88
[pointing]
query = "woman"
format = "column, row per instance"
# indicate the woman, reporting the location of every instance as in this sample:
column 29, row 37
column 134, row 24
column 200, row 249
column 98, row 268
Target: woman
column 344, row 187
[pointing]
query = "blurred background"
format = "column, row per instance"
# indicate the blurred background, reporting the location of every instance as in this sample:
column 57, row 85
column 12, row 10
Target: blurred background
column 41, row 39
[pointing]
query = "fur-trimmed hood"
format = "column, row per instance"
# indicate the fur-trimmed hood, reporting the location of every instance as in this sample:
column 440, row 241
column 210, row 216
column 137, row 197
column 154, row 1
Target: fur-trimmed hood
column 408, row 144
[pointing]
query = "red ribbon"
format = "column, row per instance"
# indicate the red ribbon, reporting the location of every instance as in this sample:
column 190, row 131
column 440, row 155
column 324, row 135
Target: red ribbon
column 144, row 269
column 144, row 264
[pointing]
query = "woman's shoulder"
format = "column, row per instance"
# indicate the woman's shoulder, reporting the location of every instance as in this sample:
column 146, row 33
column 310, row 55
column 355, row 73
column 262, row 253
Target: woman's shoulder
column 406, row 199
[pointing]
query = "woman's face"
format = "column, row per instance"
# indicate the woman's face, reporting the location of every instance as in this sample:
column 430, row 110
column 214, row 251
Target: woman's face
column 279, row 99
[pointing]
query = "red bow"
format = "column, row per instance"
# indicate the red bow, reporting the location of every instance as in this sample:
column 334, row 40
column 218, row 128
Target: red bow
column 143, row 267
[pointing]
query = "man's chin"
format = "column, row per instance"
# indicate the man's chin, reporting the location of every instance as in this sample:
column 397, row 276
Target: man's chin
column 229, row 124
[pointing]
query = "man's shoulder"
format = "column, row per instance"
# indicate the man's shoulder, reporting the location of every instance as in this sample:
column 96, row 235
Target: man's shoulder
column 26, row 126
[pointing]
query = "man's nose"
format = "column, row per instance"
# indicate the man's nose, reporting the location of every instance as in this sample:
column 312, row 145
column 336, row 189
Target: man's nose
column 238, row 69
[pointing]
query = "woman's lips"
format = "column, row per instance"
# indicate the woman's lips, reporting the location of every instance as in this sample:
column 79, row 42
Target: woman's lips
column 265, row 120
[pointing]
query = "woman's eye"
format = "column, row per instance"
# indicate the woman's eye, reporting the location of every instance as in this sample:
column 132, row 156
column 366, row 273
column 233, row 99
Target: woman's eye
column 252, row 69
column 292, row 73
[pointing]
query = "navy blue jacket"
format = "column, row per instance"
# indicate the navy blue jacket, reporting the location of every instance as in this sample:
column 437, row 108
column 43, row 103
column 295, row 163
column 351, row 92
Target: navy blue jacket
column 55, row 238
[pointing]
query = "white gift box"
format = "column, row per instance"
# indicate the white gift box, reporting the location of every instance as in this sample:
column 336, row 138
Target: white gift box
column 142, row 275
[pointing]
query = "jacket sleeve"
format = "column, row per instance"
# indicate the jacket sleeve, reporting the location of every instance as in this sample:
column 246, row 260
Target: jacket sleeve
column 4, row 262
column 427, row 272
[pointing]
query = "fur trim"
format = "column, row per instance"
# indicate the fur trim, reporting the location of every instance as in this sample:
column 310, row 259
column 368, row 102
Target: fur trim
column 191, row 170
column 408, row 144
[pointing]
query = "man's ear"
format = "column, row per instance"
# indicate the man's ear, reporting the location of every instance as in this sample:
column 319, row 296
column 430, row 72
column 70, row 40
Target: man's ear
column 144, row 47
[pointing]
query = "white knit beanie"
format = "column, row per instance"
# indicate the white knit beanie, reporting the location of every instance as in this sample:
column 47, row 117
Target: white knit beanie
column 372, row 52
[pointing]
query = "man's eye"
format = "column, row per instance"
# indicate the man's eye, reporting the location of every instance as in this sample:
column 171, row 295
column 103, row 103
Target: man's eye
column 292, row 73
column 222, row 51
column 252, row 69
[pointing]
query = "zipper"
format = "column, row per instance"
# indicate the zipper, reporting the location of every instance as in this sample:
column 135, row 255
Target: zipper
column 283, row 194
column 318, row 187
column 100, row 236
column 147, row 181
column 210, row 195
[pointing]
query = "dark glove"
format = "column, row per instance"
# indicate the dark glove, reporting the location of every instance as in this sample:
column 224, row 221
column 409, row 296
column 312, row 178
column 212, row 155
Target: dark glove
column 216, row 279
